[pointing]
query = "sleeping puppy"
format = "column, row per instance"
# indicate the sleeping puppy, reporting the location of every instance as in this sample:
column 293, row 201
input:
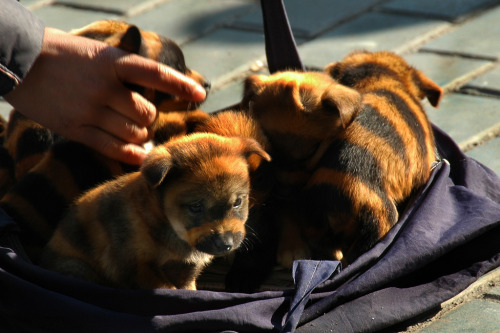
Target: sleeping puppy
column 300, row 113
column 352, row 150
column 52, row 171
column 158, row 227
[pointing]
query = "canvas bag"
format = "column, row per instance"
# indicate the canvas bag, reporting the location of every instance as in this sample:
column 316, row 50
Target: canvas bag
column 447, row 238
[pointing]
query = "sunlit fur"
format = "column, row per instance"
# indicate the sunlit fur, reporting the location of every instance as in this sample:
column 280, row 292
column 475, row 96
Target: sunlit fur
column 150, row 45
column 160, row 226
column 254, row 261
column 347, row 183
column 51, row 171
column 300, row 114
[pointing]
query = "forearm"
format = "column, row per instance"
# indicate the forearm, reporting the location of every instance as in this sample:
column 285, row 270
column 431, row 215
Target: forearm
column 21, row 36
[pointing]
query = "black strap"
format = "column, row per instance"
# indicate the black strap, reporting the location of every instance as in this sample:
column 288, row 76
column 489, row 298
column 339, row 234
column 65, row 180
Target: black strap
column 281, row 49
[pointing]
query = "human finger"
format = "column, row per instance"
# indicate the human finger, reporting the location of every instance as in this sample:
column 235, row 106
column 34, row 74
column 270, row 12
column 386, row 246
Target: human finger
column 132, row 105
column 149, row 73
column 110, row 145
column 121, row 127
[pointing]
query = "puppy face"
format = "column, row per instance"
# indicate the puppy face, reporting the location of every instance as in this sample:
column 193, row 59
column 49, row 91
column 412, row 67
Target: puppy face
column 203, row 180
column 362, row 68
column 150, row 45
column 300, row 110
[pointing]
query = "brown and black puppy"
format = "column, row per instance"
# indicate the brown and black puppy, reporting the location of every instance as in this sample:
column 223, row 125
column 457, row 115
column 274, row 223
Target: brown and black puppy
column 253, row 262
column 51, row 171
column 159, row 227
column 377, row 148
column 27, row 141
column 300, row 113
column 231, row 123
column 150, row 45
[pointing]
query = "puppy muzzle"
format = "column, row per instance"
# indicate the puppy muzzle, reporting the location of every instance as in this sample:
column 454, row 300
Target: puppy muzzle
column 219, row 244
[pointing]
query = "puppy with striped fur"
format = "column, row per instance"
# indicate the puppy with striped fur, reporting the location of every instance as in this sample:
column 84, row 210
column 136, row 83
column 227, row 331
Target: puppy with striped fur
column 160, row 226
column 27, row 141
column 51, row 171
column 355, row 142
column 252, row 263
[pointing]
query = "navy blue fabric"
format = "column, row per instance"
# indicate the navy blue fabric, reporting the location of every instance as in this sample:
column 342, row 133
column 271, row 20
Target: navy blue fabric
column 444, row 242
column 307, row 276
column 446, row 239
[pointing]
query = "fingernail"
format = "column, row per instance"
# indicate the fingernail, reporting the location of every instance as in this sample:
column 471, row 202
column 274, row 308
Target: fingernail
column 141, row 154
column 199, row 92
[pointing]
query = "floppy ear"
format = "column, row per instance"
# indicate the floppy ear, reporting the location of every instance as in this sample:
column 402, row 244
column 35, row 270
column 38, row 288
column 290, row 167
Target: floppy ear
column 156, row 166
column 342, row 101
column 131, row 40
column 431, row 90
column 250, row 88
column 253, row 152
column 333, row 69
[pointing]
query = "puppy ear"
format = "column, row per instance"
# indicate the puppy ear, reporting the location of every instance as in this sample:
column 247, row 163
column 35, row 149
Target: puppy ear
column 250, row 88
column 333, row 69
column 253, row 152
column 431, row 90
column 342, row 101
column 156, row 166
column 131, row 40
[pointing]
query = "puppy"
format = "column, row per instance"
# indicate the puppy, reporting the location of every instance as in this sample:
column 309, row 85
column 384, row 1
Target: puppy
column 52, row 171
column 253, row 262
column 300, row 113
column 150, row 45
column 28, row 141
column 361, row 142
column 158, row 227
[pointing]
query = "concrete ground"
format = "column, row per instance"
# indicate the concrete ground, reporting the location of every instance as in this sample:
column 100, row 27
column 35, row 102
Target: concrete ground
column 454, row 42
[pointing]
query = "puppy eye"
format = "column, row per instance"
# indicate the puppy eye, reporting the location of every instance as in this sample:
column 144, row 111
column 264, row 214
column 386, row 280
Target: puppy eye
column 237, row 203
column 195, row 207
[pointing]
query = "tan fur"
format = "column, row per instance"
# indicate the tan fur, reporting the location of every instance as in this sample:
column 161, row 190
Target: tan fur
column 160, row 226
column 350, row 147
column 52, row 171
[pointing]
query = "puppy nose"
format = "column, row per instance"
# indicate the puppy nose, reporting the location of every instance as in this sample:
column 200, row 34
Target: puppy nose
column 217, row 244
column 224, row 243
column 207, row 85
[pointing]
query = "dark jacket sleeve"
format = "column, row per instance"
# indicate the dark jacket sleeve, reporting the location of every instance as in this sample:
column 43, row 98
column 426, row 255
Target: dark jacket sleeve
column 21, row 36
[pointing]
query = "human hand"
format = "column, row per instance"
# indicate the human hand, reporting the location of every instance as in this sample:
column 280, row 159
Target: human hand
column 76, row 88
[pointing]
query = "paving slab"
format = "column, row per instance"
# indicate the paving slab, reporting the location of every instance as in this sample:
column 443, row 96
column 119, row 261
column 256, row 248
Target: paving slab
column 185, row 20
column 373, row 32
column 66, row 18
column 225, row 53
column 487, row 154
column 488, row 82
column 453, row 10
column 230, row 95
column 477, row 37
column 477, row 316
column 116, row 6
column 309, row 19
column 31, row 4
column 445, row 69
column 464, row 116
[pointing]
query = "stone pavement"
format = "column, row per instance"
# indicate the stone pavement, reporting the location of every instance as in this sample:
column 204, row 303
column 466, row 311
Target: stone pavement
column 455, row 42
